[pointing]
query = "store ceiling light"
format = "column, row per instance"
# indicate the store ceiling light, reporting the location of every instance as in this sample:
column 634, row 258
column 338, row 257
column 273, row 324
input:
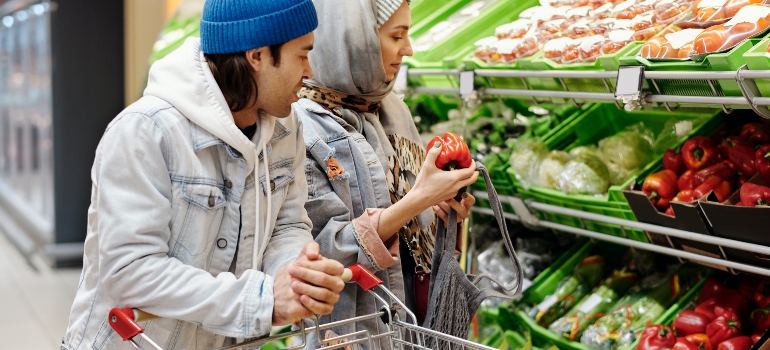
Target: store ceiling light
column 38, row 9
column 22, row 15
column 8, row 21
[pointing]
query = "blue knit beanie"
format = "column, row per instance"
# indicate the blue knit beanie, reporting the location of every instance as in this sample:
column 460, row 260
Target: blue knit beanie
column 230, row 26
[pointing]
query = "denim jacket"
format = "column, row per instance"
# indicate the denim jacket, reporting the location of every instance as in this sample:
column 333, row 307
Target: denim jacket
column 344, row 212
column 173, row 216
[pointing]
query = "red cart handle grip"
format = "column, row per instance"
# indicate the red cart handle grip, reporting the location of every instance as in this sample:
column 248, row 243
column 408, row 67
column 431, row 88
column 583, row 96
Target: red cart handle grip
column 361, row 275
column 123, row 321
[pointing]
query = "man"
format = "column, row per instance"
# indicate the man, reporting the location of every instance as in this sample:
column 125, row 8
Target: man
column 197, row 208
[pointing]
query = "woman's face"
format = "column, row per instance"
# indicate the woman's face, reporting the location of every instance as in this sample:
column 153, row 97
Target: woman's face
column 394, row 40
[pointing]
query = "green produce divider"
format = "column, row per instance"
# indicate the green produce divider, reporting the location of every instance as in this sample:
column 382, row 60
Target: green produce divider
column 726, row 61
column 425, row 14
column 596, row 123
column 510, row 315
column 526, row 63
column 462, row 40
column 759, row 59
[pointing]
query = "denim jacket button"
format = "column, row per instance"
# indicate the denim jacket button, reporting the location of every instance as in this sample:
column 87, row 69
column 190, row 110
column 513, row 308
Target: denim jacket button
column 272, row 185
column 228, row 184
column 211, row 201
column 222, row 243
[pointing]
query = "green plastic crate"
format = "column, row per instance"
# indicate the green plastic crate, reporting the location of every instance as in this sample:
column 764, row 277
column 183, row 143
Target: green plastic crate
column 757, row 58
column 727, row 61
column 537, row 293
column 609, row 62
column 526, row 63
column 597, row 122
column 449, row 52
column 425, row 14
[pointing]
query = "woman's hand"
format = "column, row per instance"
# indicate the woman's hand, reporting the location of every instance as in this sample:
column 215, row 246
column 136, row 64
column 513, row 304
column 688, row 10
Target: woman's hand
column 434, row 185
column 463, row 208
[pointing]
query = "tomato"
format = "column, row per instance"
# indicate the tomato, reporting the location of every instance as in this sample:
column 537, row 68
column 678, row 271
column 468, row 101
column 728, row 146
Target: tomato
column 612, row 47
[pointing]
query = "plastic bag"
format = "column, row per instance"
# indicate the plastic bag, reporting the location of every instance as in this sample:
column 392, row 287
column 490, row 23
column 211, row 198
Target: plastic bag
column 586, row 174
column 550, row 168
column 673, row 130
column 525, row 154
column 749, row 20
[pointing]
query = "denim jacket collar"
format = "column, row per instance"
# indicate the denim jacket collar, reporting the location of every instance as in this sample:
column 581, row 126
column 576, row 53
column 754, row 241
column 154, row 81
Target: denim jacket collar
column 202, row 139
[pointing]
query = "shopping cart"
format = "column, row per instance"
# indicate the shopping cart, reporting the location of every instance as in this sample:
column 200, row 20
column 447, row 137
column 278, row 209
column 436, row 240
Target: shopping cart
column 398, row 334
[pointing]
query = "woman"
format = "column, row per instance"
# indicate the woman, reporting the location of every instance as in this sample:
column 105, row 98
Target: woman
column 370, row 184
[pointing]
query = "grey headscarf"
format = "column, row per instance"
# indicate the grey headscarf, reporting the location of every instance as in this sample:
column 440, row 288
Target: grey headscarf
column 347, row 58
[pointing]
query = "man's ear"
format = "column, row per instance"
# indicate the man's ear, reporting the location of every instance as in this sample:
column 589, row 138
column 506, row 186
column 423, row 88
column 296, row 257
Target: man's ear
column 257, row 58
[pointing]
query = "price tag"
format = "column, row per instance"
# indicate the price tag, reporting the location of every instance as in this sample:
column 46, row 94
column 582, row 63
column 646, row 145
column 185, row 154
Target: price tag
column 547, row 303
column 593, row 301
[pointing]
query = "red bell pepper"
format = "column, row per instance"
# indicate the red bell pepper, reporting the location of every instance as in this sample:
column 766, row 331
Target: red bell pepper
column 670, row 211
column 701, row 340
column 743, row 179
column 736, row 343
column 660, row 187
column 755, row 134
column 711, row 288
column 756, row 337
column 742, row 155
column 739, row 204
column 683, row 344
column 748, row 286
column 672, row 160
column 723, row 327
column 657, row 337
column 706, row 308
column 753, row 195
column 683, row 196
column 454, row 152
column 721, row 169
column 721, row 188
column 690, row 322
column 761, row 318
column 685, row 181
column 762, row 294
column 731, row 301
column 762, row 161
column 699, row 152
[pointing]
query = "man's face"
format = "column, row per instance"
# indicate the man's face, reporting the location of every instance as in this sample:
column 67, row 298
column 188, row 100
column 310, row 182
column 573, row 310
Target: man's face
column 279, row 82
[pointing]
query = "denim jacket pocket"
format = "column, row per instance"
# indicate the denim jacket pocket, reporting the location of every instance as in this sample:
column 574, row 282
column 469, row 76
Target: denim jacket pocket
column 207, row 197
column 280, row 177
column 203, row 210
column 102, row 335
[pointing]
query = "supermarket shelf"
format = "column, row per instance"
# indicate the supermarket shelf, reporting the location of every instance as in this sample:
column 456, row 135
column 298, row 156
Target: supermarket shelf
column 531, row 220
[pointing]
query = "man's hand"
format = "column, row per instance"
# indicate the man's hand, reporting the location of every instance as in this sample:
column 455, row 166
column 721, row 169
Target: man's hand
column 307, row 286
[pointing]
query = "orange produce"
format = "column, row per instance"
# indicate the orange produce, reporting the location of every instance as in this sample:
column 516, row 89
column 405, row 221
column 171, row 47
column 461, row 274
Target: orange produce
column 707, row 14
column 711, row 39
column 731, row 7
column 684, row 51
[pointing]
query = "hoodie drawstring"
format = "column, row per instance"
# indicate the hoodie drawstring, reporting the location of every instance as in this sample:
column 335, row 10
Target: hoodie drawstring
column 258, row 240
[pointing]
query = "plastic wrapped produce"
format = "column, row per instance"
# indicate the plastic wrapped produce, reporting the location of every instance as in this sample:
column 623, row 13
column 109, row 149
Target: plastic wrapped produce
column 486, row 50
column 569, row 290
column 514, row 30
column 593, row 306
column 673, row 130
column 550, row 168
column 590, row 150
column 617, row 40
column 644, row 303
column 591, row 47
column 675, row 45
column 525, row 153
column 626, row 149
column 749, row 21
column 619, row 175
column 586, row 174
column 555, row 49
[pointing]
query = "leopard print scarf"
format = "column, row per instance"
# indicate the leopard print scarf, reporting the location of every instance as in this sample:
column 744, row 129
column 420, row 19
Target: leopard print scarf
column 332, row 99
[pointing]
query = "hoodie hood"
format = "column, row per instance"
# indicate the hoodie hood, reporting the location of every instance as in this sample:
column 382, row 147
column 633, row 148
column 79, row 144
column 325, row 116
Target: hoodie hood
column 184, row 80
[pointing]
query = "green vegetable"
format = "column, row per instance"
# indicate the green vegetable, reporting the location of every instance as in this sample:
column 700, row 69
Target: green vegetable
column 550, row 168
column 626, row 150
column 590, row 150
column 585, row 174
column 593, row 306
column 524, row 153
column 619, row 175
column 569, row 290
column 644, row 304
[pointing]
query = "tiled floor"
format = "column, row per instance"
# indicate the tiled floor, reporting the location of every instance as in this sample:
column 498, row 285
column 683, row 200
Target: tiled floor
column 34, row 304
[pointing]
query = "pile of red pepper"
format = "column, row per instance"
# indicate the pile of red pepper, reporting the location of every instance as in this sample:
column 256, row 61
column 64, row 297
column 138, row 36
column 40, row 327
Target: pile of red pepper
column 703, row 166
column 720, row 321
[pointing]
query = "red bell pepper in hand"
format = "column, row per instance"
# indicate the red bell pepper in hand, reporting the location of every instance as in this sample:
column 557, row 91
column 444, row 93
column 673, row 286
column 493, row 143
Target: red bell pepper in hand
column 762, row 161
column 683, row 344
column 731, row 301
column 711, row 288
column 736, row 343
column 701, row 340
column 721, row 169
column 753, row 195
column 672, row 160
column 660, row 187
column 706, row 308
column 723, row 327
column 699, row 152
column 721, row 188
column 685, row 181
column 454, row 152
column 690, row 322
column 657, row 337
column 761, row 318
column 742, row 155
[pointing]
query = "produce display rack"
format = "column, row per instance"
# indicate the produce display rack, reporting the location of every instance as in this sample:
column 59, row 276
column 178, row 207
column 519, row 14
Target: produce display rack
column 475, row 86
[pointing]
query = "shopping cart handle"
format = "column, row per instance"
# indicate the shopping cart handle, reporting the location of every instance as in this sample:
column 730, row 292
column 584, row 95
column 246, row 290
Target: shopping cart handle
column 361, row 275
column 124, row 321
